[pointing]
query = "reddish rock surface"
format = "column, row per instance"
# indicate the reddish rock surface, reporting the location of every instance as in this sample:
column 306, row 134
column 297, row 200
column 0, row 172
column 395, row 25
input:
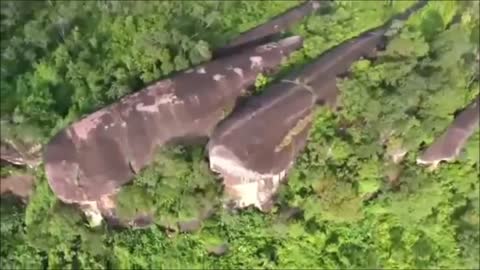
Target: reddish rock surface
column 101, row 152
column 254, row 148
column 447, row 147
column 20, row 154
column 20, row 185
column 268, row 30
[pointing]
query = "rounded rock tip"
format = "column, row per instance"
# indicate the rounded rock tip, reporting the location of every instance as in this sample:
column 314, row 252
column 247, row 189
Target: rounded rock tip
column 291, row 43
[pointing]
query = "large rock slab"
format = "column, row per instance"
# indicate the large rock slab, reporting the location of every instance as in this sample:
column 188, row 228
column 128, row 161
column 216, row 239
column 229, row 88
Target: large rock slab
column 20, row 153
column 254, row 148
column 270, row 29
column 99, row 153
column 448, row 146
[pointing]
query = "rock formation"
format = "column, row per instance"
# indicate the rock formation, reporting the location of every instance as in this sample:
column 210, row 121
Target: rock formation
column 269, row 30
column 95, row 156
column 447, row 147
column 19, row 153
column 254, row 148
column 19, row 185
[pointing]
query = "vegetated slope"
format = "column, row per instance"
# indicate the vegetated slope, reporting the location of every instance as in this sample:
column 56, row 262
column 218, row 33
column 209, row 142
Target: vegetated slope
column 354, row 211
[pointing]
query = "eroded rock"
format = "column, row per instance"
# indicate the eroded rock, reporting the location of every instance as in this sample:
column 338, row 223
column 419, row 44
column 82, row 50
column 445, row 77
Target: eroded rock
column 20, row 185
column 267, row 31
column 20, row 153
column 448, row 146
column 104, row 150
column 256, row 145
column 254, row 148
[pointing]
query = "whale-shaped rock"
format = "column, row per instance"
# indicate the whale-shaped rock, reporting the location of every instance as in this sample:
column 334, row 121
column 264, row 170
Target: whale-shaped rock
column 103, row 151
column 254, row 148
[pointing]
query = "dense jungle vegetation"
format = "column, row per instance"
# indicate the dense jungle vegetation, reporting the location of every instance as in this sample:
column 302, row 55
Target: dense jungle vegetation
column 357, row 209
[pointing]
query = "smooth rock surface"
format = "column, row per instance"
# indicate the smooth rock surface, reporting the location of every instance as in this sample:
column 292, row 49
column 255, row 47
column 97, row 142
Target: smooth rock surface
column 103, row 151
column 255, row 147
column 448, row 146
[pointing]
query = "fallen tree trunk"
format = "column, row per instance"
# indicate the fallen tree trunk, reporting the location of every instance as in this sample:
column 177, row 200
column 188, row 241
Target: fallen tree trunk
column 254, row 148
column 448, row 146
column 96, row 155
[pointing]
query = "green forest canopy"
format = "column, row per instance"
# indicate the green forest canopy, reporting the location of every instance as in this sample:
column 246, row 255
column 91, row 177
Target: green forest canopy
column 61, row 60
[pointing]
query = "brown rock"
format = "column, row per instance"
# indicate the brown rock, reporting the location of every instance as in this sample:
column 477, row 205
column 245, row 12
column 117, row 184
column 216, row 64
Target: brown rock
column 19, row 153
column 103, row 151
column 254, row 148
column 19, row 185
column 447, row 147
column 267, row 31
column 218, row 250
